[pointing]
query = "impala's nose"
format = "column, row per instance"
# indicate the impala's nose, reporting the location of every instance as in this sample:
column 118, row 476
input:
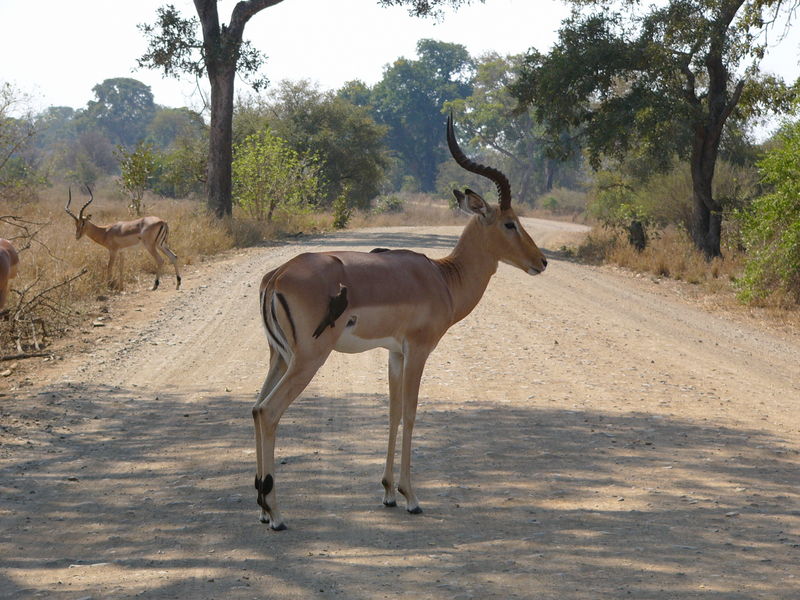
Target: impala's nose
column 544, row 263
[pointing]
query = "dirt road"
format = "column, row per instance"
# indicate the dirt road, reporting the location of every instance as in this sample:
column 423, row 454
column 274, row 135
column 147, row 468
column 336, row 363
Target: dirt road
column 584, row 434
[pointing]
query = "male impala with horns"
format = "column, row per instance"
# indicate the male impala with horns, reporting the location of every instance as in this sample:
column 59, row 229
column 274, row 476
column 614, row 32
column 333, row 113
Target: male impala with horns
column 395, row 299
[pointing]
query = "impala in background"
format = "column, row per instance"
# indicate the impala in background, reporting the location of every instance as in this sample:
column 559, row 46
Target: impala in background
column 151, row 232
column 8, row 269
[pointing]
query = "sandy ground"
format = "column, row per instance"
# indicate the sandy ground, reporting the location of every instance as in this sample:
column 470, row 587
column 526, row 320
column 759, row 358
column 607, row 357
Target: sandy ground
column 584, row 434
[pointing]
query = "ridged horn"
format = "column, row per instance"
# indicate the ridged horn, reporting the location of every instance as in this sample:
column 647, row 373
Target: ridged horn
column 91, row 197
column 69, row 201
column 500, row 180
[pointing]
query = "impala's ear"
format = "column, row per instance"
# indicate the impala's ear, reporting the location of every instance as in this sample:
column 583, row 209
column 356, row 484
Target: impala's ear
column 473, row 203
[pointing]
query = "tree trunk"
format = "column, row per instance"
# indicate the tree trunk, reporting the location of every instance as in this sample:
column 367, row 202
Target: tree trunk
column 706, row 226
column 220, row 151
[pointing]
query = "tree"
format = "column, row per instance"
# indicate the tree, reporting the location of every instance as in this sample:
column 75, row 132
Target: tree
column 410, row 99
column 662, row 80
column 174, row 48
column 345, row 137
column 169, row 124
column 123, row 107
column 17, row 131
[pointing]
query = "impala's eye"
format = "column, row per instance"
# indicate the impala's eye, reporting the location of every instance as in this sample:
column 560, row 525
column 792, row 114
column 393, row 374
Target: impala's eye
column 511, row 225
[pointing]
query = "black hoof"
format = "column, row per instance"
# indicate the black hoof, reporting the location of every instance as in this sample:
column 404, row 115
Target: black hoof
column 390, row 503
column 280, row 527
column 415, row 511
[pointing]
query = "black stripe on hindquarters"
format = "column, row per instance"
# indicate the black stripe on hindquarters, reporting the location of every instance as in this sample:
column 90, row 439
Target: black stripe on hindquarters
column 271, row 333
column 376, row 250
column 285, row 306
column 336, row 306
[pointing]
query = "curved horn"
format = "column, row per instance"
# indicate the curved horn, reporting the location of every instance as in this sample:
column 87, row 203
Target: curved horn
column 91, row 197
column 66, row 208
column 500, row 180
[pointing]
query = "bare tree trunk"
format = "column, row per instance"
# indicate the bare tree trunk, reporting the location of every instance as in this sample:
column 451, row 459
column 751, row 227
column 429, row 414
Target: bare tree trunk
column 220, row 154
column 706, row 226
column 222, row 47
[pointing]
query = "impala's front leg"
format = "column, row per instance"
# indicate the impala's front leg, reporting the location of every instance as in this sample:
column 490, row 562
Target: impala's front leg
column 112, row 258
column 413, row 365
column 395, row 411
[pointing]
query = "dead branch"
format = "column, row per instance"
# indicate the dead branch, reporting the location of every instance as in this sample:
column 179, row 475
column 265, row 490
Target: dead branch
column 25, row 355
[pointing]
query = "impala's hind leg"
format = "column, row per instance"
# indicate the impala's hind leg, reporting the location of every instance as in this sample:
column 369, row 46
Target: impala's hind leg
column 159, row 262
column 162, row 244
column 266, row 414
column 277, row 369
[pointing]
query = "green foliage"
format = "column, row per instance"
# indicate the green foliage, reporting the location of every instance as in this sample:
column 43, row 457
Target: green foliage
column 18, row 167
column 137, row 168
column 169, row 124
column 507, row 136
column 657, row 81
column 391, row 203
column 410, row 99
column 341, row 211
column 345, row 137
column 269, row 176
column 182, row 169
column 771, row 226
column 614, row 200
column 174, row 47
column 662, row 199
column 123, row 108
column 564, row 201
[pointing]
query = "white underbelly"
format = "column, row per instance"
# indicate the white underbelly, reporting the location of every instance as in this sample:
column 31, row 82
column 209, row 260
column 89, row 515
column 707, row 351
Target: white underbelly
column 352, row 344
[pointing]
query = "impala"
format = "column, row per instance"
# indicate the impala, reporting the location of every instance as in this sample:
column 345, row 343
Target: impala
column 150, row 231
column 395, row 299
column 8, row 269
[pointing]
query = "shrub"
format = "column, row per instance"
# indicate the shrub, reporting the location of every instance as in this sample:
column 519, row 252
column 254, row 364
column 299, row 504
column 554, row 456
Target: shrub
column 269, row 176
column 770, row 227
column 341, row 211
column 391, row 203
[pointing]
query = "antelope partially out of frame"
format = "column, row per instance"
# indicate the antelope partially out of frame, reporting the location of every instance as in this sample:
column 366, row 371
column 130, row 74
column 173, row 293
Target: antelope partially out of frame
column 395, row 299
column 8, row 269
column 150, row 231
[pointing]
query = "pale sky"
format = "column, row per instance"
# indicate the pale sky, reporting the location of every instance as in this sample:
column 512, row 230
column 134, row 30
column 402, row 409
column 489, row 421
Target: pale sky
column 57, row 50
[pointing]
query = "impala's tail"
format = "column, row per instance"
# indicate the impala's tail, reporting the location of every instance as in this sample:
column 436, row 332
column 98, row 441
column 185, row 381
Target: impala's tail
column 269, row 300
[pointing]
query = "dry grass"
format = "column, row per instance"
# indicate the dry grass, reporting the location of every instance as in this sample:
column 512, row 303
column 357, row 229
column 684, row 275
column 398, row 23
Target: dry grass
column 670, row 254
column 418, row 209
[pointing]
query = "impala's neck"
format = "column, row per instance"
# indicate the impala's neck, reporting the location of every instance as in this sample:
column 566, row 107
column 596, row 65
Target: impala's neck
column 468, row 269
column 96, row 233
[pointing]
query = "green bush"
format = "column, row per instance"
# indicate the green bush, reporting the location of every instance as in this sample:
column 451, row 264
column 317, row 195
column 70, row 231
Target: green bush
column 770, row 227
column 341, row 210
column 269, row 176
column 389, row 204
column 137, row 168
